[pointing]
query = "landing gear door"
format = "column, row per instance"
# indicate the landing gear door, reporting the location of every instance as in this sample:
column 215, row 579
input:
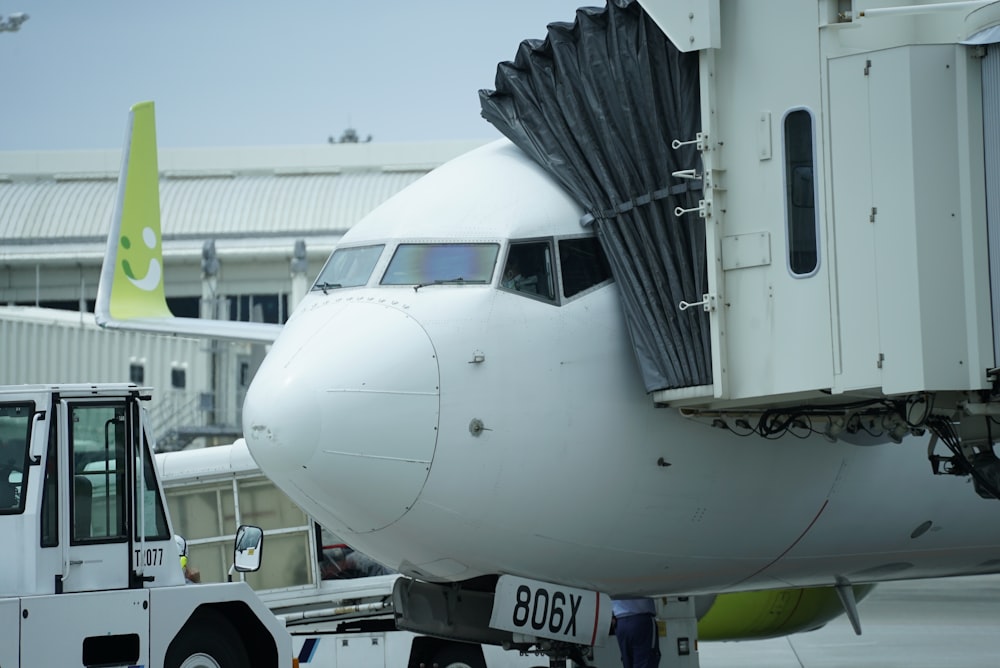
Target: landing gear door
column 94, row 456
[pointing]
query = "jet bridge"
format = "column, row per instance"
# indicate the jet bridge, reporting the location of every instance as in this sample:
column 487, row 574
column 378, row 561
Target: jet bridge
column 598, row 104
column 798, row 200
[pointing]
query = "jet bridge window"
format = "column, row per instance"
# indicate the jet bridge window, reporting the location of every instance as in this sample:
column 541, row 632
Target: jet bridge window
column 583, row 265
column 427, row 264
column 348, row 267
column 800, row 193
column 15, row 423
column 529, row 271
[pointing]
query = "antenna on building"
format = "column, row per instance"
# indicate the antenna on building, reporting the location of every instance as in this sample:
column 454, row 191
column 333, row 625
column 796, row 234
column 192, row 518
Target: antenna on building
column 13, row 22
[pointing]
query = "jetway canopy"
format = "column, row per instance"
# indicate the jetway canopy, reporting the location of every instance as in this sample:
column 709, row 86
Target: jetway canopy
column 598, row 104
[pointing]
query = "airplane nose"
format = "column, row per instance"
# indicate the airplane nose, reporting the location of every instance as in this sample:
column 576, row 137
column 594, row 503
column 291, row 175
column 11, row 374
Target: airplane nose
column 345, row 408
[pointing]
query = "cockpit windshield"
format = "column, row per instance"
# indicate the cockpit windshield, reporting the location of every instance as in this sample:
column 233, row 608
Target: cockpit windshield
column 427, row 264
column 348, row 267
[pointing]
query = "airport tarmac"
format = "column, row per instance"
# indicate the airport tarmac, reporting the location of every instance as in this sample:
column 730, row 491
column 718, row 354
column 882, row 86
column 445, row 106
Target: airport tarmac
column 951, row 622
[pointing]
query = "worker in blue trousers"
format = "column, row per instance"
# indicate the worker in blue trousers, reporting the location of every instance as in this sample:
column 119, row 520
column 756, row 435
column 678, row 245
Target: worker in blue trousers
column 635, row 629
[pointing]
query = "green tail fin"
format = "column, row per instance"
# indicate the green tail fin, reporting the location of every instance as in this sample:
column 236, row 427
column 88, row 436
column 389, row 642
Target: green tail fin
column 132, row 276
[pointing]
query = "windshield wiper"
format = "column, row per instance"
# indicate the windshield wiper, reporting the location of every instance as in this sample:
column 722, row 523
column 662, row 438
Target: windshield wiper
column 440, row 281
column 326, row 286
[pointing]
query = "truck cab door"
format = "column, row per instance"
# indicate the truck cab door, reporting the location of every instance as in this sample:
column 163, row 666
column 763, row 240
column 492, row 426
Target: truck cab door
column 155, row 559
column 93, row 468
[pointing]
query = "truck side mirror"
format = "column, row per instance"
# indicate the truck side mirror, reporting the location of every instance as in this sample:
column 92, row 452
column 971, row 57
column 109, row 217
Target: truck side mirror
column 248, row 548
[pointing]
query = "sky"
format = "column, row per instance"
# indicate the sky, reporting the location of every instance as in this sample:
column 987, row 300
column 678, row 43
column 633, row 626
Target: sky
column 256, row 73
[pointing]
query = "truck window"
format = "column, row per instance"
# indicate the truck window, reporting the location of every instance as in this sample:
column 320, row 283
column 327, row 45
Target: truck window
column 50, row 493
column 148, row 498
column 15, row 422
column 97, row 444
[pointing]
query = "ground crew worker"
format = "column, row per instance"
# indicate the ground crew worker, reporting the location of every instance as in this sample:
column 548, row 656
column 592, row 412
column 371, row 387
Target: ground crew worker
column 635, row 629
column 191, row 575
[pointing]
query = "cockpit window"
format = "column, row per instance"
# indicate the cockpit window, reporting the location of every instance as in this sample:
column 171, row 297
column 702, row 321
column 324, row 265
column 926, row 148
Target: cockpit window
column 583, row 264
column 426, row 264
column 348, row 267
column 529, row 269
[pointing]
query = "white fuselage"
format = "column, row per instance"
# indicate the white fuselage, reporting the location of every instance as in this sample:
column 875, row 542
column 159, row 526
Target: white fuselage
column 458, row 430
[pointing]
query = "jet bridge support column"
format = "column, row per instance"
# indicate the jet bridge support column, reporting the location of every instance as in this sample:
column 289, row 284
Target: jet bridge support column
column 678, row 627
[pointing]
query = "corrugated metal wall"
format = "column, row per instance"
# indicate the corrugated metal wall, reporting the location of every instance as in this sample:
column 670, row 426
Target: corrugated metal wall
column 260, row 205
column 48, row 208
column 202, row 207
column 43, row 346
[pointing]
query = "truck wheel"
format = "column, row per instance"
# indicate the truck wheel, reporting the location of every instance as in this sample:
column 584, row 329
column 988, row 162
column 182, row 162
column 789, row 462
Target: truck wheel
column 208, row 640
column 458, row 657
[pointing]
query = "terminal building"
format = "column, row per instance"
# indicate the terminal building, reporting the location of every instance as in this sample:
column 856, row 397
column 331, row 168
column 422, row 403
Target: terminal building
column 245, row 231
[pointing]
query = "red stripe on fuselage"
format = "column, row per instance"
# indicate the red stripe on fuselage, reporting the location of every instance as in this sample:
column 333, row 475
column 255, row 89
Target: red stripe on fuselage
column 597, row 616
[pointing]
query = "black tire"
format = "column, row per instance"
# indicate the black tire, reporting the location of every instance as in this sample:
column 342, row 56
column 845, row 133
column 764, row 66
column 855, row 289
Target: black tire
column 208, row 640
column 457, row 656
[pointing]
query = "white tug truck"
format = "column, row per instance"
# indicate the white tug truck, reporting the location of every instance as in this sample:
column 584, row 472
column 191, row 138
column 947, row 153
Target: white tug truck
column 91, row 574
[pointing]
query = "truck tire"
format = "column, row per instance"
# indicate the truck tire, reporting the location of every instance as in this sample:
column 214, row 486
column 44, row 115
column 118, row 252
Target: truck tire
column 208, row 640
column 458, row 657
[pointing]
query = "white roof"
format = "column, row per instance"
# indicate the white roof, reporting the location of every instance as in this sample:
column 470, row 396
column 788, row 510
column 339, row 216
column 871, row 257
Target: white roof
column 55, row 197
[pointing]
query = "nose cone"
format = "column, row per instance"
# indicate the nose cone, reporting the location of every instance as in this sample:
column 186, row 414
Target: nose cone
column 343, row 412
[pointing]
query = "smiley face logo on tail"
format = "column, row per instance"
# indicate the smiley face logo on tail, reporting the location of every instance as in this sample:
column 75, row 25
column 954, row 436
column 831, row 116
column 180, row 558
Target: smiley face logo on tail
column 154, row 272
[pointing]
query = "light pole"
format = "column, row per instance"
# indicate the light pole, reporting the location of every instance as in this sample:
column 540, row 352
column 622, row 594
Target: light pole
column 13, row 22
